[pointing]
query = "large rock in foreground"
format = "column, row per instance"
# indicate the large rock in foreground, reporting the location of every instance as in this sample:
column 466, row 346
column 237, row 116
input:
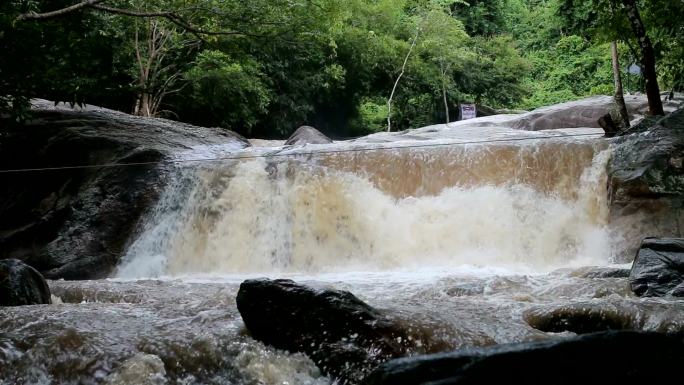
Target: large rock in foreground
column 602, row 358
column 20, row 284
column 307, row 135
column 76, row 223
column 344, row 336
column 646, row 184
column 658, row 269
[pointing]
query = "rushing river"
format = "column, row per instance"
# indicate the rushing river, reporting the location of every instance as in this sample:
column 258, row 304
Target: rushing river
column 469, row 242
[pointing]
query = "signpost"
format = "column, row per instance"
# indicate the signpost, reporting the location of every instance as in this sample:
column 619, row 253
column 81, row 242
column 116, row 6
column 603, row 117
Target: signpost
column 468, row 111
column 633, row 69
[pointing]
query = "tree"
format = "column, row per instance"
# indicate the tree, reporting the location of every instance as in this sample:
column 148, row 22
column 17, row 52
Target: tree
column 396, row 82
column 156, row 77
column 619, row 93
column 648, row 60
column 261, row 67
column 445, row 46
column 623, row 20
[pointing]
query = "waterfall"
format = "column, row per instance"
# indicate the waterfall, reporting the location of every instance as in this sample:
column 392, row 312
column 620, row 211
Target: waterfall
column 540, row 204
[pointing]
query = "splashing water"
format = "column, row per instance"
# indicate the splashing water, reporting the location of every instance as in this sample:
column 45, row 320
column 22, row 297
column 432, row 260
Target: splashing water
column 533, row 205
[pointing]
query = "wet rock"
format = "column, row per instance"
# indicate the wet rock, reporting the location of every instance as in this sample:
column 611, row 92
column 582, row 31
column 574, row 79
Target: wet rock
column 608, row 124
column 600, row 358
column 581, row 113
column 344, row 336
column 604, row 272
column 141, row 369
column 20, row 284
column 580, row 318
column 646, row 183
column 307, row 135
column 75, row 223
column 658, row 269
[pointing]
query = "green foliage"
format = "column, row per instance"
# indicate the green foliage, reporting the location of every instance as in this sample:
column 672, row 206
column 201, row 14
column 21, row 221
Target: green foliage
column 481, row 17
column 67, row 59
column 327, row 63
column 605, row 20
column 287, row 63
column 372, row 116
column 218, row 82
column 566, row 42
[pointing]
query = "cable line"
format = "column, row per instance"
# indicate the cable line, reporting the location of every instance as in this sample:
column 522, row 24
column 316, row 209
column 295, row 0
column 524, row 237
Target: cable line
column 293, row 154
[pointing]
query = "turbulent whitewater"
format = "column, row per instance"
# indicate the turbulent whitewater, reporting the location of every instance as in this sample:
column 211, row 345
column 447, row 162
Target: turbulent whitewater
column 537, row 203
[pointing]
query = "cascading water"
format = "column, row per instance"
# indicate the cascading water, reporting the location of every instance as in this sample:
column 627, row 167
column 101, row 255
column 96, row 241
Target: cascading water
column 538, row 204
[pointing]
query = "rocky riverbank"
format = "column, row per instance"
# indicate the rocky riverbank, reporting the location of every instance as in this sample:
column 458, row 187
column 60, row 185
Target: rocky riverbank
column 75, row 223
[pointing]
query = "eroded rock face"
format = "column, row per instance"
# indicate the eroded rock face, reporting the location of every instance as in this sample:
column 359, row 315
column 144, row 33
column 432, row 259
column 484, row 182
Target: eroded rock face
column 658, row 269
column 307, row 135
column 75, row 223
column 20, row 284
column 601, row 358
column 646, row 184
column 344, row 336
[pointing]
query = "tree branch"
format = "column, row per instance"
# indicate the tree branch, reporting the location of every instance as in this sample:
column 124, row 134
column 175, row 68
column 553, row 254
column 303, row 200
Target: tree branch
column 57, row 13
column 171, row 16
column 95, row 4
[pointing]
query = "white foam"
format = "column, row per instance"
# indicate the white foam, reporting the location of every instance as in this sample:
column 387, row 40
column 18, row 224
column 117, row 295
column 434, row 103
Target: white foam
column 258, row 217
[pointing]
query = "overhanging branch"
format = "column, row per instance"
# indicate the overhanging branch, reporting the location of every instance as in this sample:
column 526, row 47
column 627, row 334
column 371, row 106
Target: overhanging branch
column 59, row 12
column 96, row 5
column 171, row 16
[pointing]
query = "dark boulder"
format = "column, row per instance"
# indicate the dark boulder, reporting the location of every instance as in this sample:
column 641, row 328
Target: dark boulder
column 307, row 135
column 344, row 336
column 646, row 183
column 601, row 358
column 76, row 223
column 20, row 284
column 658, row 269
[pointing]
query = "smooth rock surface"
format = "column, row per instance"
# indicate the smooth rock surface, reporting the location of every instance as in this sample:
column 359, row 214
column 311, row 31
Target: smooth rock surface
column 601, row 358
column 580, row 113
column 658, row 269
column 344, row 336
column 75, row 223
column 20, row 284
column 307, row 135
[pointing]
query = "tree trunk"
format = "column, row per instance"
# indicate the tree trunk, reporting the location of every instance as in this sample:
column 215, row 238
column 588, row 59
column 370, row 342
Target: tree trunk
column 443, row 69
column 396, row 83
column 648, row 63
column 623, row 115
column 446, row 104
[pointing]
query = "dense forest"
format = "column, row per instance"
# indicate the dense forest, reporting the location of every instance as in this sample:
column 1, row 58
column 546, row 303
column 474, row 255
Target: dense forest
column 264, row 67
